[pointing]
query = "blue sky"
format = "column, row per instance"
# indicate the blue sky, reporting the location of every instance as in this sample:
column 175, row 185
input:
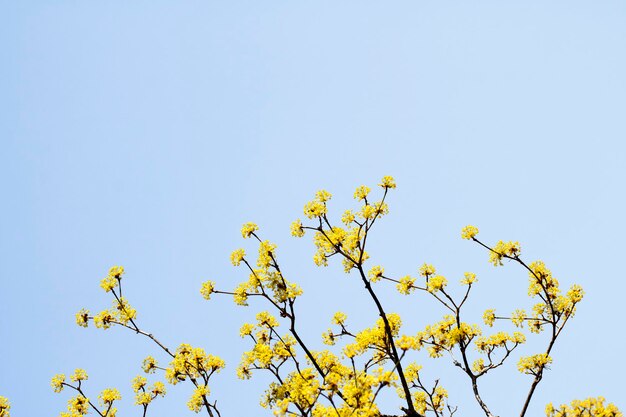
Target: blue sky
column 145, row 133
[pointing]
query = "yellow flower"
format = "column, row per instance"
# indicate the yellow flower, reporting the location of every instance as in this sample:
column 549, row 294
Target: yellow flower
column 158, row 388
column 246, row 329
column 489, row 317
column 103, row 319
column 323, row 196
column 108, row 395
column 138, row 383
column 143, row 398
column 296, row 228
column 426, row 270
column 237, row 256
column 339, row 318
column 376, row 273
column 196, row 401
column 532, row 365
column 405, row 286
column 470, row 278
column 436, row 283
column 348, row 217
column 149, row 365
column 78, row 405
column 361, row 192
column 314, row 209
column 518, row 317
column 502, row 249
column 82, row 318
column 79, row 375
column 5, row 406
column 469, row 232
column 108, row 283
column 388, row 182
column 57, row 382
column 247, row 229
column 207, row 289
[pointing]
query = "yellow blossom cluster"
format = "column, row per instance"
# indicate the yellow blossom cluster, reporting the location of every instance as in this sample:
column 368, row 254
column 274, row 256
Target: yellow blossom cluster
column 533, row 365
column 265, row 280
column 192, row 362
column 500, row 339
column 5, row 407
column 121, row 313
column 376, row 273
column 502, row 250
column 268, row 347
column 590, row 407
column 446, row 334
column 198, row 398
column 374, row 338
column 112, row 279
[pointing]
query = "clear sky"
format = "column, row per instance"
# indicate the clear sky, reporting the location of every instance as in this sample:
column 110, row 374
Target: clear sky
column 145, row 133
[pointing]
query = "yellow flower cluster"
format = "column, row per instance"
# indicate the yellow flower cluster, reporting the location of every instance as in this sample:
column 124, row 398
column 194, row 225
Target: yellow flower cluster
column 590, row 407
column 57, row 382
column 387, row 182
column 248, row 229
column 534, row 364
column 82, row 318
column 469, row 232
column 427, row 270
column 489, row 317
column 436, row 283
column 198, row 398
column 79, row 375
column 268, row 347
column 144, row 397
column 237, row 256
column 336, row 239
column 108, row 396
column 5, row 407
column 446, row 334
column 500, row 339
column 469, row 278
column 502, row 249
column 374, row 338
column 79, row 406
column 361, row 192
column 149, row 365
column 122, row 313
column 112, row 279
column 208, row 287
column 193, row 363
column 406, row 285
column 376, row 273
column 296, row 228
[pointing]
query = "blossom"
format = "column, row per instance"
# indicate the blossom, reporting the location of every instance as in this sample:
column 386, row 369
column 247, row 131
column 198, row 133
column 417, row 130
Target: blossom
column 79, row 375
column 376, row 273
column 248, row 229
column 469, row 279
column 108, row 395
column 388, row 182
column 469, row 232
column 237, row 256
column 405, row 286
column 149, row 365
column 82, row 318
column 296, row 228
column 489, row 317
column 426, row 270
column 207, row 289
column 361, row 192
column 57, row 382
column 436, row 283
